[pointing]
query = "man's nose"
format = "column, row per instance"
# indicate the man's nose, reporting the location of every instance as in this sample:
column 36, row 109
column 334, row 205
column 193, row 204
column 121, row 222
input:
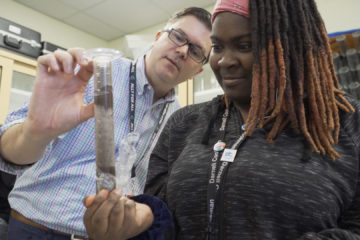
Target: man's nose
column 183, row 50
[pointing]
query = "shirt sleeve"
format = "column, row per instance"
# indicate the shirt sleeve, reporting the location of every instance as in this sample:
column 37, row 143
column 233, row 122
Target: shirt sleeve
column 16, row 117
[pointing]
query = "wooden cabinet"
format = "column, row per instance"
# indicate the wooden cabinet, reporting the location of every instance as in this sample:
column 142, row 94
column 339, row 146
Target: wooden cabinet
column 17, row 76
column 202, row 88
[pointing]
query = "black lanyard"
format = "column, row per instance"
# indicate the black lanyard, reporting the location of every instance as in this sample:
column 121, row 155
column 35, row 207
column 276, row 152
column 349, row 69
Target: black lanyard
column 132, row 107
column 217, row 173
column 132, row 96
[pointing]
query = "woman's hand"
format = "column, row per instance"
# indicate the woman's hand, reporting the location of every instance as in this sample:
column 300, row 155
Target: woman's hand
column 111, row 216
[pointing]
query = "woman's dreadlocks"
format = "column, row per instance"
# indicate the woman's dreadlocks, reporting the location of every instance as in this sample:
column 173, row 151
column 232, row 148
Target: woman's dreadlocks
column 294, row 79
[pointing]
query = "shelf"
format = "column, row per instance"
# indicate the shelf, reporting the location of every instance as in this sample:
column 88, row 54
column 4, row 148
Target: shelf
column 207, row 95
column 20, row 92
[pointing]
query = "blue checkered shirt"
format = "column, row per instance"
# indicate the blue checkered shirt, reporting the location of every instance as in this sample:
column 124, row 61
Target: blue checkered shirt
column 50, row 192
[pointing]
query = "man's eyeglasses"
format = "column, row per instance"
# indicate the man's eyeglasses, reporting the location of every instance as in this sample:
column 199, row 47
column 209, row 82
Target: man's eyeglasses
column 195, row 51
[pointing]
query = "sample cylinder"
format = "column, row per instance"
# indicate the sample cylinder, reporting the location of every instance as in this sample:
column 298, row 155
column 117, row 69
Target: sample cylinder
column 104, row 124
column 104, row 116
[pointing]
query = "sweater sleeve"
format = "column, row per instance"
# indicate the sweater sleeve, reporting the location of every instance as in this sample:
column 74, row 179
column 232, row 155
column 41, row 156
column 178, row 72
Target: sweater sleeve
column 162, row 217
column 348, row 227
column 349, row 223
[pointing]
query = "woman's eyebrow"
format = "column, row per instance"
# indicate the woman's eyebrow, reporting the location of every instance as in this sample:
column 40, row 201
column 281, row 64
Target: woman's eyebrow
column 238, row 37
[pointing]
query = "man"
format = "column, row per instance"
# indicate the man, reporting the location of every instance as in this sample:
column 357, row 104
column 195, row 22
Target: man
column 54, row 136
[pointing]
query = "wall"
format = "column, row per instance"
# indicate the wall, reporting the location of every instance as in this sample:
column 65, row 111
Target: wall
column 135, row 44
column 51, row 29
column 340, row 15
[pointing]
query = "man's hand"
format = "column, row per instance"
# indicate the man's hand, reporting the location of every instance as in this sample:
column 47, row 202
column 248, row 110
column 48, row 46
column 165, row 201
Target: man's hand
column 57, row 101
column 56, row 106
column 111, row 216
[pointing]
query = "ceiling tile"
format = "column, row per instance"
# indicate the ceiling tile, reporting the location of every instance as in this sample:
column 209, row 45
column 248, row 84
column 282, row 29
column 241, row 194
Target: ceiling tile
column 82, row 4
column 93, row 26
column 174, row 5
column 109, row 19
column 52, row 8
column 130, row 17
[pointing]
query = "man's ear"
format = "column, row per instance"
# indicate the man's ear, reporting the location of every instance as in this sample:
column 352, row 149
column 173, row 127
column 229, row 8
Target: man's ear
column 200, row 70
column 157, row 36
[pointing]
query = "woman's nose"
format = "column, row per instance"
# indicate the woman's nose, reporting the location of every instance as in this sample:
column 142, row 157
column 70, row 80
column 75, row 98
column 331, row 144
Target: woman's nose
column 227, row 59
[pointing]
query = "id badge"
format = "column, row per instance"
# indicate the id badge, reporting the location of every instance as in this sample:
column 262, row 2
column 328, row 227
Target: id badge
column 228, row 155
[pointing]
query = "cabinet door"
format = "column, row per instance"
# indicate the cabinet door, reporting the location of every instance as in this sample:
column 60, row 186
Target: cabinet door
column 17, row 76
column 205, row 86
column 21, row 87
column 6, row 66
column 184, row 93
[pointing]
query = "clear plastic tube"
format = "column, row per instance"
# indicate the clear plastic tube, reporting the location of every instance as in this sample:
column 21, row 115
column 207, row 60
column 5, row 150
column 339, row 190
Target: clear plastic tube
column 126, row 159
column 354, row 89
column 357, row 73
column 342, row 45
column 356, row 38
column 344, row 75
column 104, row 120
column 337, row 61
column 352, row 58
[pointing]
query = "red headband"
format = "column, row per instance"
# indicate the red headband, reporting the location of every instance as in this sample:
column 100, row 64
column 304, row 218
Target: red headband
column 236, row 6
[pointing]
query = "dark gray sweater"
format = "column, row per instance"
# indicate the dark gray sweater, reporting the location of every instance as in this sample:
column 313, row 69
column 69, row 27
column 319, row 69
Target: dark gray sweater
column 272, row 191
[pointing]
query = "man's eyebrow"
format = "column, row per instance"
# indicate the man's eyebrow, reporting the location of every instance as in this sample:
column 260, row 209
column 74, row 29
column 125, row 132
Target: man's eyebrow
column 187, row 37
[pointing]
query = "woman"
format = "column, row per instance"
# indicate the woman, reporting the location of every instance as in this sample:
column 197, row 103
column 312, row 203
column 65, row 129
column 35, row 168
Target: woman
column 274, row 65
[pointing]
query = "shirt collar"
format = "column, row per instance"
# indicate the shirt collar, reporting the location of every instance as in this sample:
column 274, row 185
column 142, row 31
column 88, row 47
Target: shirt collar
column 142, row 83
column 141, row 80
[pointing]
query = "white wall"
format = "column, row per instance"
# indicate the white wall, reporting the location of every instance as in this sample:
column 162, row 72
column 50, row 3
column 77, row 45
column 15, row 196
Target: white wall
column 134, row 45
column 51, row 29
column 340, row 15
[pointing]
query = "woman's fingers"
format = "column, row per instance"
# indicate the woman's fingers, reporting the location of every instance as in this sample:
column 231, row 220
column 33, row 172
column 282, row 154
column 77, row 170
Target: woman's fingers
column 95, row 204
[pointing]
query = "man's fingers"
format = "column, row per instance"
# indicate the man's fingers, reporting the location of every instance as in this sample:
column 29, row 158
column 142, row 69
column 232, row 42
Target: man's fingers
column 86, row 68
column 77, row 54
column 66, row 60
column 48, row 61
column 87, row 111
column 85, row 72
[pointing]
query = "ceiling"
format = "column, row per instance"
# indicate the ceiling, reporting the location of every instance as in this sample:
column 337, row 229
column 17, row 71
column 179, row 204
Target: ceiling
column 112, row 19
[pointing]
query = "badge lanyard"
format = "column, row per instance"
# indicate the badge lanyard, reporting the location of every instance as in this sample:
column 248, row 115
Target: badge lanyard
column 218, row 170
column 132, row 106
